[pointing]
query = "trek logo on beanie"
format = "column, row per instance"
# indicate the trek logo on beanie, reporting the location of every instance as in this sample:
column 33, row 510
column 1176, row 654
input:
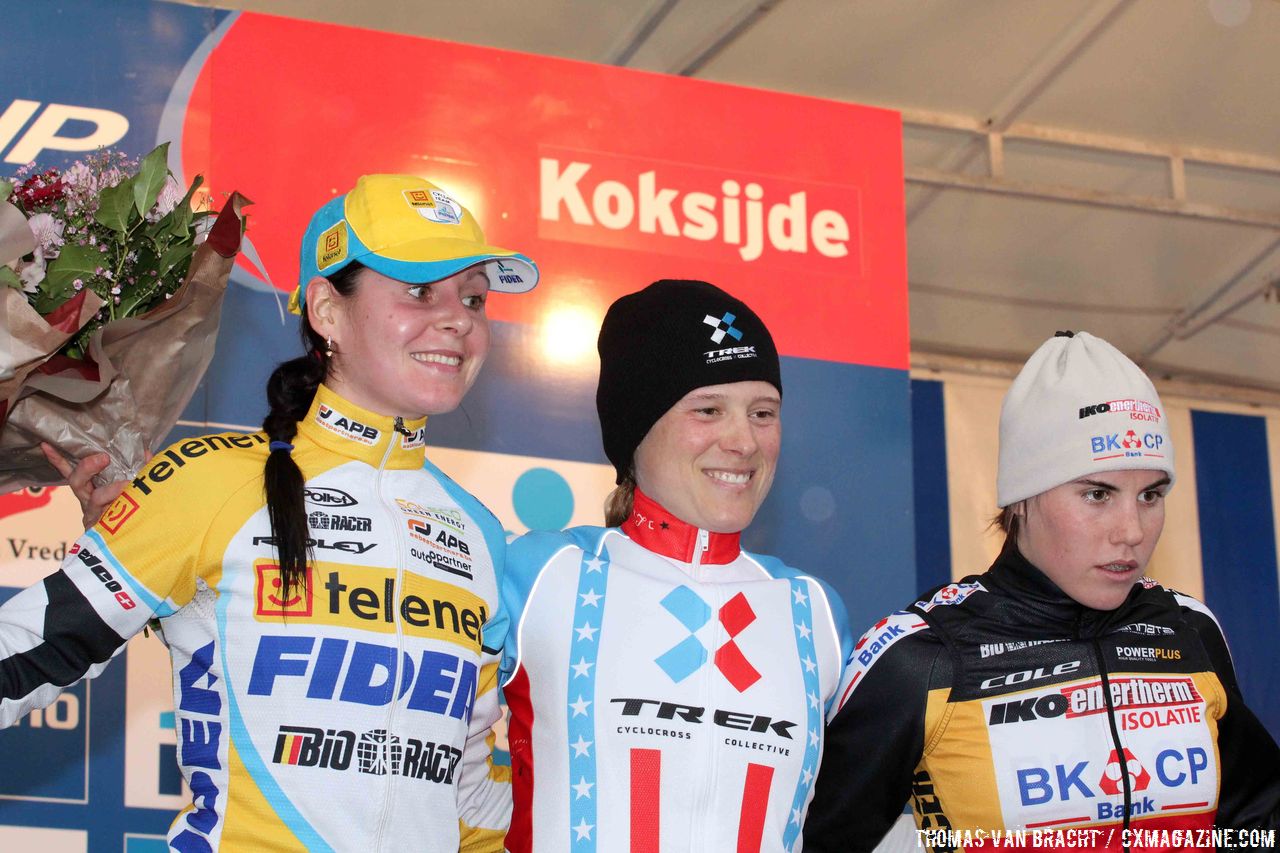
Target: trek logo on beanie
column 722, row 327
column 653, row 351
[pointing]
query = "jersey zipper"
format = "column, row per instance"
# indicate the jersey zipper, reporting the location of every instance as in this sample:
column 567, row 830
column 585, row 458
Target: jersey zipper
column 384, row 818
column 705, row 792
column 700, row 550
column 1115, row 739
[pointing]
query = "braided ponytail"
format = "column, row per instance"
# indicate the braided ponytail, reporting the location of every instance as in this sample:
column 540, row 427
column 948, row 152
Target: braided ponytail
column 290, row 391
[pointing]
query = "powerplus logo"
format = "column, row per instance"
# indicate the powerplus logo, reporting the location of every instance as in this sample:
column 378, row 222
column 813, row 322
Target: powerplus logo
column 687, row 657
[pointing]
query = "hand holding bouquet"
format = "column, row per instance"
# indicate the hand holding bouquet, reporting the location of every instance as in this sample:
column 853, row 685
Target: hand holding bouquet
column 109, row 307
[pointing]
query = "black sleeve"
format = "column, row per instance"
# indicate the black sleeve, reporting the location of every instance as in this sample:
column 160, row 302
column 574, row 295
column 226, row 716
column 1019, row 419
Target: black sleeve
column 1249, row 792
column 873, row 745
column 51, row 636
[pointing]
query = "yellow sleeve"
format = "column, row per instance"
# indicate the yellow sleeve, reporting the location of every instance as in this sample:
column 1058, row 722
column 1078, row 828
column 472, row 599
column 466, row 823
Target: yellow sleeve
column 161, row 530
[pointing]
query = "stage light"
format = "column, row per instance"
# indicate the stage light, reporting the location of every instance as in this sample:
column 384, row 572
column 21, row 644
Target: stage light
column 569, row 335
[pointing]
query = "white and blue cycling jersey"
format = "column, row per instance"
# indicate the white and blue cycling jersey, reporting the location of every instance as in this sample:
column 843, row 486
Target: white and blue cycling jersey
column 667, row 690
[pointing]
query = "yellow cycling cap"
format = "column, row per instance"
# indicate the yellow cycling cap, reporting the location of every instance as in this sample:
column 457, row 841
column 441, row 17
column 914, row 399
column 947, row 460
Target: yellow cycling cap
column 406, row 228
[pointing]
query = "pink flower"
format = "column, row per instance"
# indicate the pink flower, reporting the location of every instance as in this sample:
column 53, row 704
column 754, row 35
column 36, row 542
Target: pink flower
column 31, row 275
column 78, row 176
column 48, row 234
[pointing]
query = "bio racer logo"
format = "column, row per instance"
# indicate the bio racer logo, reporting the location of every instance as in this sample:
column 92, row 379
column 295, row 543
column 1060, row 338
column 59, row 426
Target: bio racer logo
column 376, row 752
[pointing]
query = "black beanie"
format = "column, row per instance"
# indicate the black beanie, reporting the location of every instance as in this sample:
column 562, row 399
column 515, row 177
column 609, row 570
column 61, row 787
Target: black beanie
column 663, row 342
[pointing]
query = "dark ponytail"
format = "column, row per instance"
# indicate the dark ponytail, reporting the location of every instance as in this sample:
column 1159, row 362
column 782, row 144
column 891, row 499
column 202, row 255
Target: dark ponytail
column 290, row 391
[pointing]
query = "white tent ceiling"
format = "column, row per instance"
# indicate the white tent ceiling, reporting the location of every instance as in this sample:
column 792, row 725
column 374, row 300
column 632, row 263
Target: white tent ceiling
column 1111, row 165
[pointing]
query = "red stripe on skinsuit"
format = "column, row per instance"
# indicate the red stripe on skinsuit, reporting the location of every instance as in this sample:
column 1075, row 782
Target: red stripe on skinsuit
column 520, row 743
column 646, row 800
column 755, row 802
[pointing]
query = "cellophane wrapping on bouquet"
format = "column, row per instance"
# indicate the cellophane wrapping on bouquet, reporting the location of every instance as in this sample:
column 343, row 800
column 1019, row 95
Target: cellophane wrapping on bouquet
column 135, row 377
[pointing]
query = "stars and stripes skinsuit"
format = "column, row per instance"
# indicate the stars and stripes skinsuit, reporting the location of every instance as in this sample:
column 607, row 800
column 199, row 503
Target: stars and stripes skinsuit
column 351, row 714
column 667, row 689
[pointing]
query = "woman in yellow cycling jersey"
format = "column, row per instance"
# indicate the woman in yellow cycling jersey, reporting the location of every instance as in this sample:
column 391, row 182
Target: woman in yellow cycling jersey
column 323, row 588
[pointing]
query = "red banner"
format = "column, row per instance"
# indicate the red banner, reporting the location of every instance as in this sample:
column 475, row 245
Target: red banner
column 608, row 178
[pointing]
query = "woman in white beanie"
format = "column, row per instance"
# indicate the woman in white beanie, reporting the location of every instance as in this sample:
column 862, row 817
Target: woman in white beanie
column 1061, row 690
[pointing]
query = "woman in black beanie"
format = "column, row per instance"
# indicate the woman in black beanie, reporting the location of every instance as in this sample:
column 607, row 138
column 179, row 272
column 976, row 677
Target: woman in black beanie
column 667, row 689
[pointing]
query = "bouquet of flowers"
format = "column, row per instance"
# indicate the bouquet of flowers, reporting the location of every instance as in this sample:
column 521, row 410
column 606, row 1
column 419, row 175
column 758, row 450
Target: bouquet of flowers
column 110, row 299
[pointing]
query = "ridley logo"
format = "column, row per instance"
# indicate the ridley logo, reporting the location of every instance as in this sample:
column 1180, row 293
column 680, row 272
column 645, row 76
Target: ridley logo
column 717, row 207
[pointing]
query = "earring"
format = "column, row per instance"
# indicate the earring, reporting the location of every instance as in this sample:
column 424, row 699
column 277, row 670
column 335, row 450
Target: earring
column 328, row 347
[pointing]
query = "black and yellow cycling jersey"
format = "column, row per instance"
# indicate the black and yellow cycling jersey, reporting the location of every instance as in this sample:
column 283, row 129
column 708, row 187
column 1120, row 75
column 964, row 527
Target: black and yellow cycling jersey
column 998, row 703
column 352, row 713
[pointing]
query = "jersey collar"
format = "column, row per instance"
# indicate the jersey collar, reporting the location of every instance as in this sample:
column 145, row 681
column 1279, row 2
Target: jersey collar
column 659, row 531
column 342, row 427
column 1031, row 598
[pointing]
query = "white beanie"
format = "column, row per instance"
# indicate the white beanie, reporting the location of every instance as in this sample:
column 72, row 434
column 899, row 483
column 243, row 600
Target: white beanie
column 1079, row 406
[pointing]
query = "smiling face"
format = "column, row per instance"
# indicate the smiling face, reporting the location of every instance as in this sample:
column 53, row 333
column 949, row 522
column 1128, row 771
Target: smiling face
column 710, row 459
column 1094, row 536
column 404, row 349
